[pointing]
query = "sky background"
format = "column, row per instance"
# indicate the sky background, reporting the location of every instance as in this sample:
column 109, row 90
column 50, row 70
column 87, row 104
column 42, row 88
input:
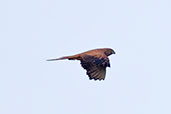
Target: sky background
column 138, row 82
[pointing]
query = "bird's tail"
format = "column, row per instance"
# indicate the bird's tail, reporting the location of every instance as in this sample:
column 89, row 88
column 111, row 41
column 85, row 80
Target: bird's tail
column 74, row 57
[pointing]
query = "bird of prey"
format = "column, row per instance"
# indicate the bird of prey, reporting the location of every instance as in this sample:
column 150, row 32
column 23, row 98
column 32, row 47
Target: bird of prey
column 93, row 61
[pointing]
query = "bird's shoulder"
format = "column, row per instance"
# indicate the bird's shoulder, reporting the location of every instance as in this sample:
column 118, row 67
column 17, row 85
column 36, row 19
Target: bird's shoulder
column 95, row 59
column 94, row 53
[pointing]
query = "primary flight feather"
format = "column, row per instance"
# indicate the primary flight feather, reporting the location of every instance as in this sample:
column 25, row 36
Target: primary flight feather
column 93, row 61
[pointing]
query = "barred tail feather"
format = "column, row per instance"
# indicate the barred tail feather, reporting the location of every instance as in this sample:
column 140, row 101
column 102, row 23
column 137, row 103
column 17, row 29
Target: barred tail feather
column 61, row 58
column 74, row 57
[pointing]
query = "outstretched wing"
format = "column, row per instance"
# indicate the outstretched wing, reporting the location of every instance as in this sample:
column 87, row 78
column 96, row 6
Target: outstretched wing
column 95, row 66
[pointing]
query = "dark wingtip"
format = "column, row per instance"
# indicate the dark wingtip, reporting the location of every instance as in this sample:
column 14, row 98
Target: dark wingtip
column 95, row 79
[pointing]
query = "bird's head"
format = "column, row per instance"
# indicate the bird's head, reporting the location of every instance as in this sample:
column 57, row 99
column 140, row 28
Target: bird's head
column 109, row 51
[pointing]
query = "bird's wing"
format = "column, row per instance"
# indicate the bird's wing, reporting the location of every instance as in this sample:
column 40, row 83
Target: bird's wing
column 95, row 66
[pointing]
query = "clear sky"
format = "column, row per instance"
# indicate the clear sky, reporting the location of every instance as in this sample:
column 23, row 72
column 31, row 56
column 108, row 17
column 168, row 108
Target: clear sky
column 138, row 82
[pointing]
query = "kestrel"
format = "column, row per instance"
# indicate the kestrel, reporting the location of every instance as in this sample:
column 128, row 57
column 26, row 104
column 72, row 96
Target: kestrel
column 93, row 61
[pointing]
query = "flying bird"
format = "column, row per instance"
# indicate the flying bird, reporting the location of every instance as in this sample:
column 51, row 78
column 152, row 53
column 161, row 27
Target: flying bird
column 93, row 61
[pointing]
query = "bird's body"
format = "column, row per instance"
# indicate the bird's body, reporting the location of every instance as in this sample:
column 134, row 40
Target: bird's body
column 94, row 61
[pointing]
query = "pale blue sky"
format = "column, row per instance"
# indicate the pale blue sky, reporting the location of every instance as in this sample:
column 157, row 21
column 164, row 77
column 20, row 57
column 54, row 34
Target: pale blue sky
column 31, row 31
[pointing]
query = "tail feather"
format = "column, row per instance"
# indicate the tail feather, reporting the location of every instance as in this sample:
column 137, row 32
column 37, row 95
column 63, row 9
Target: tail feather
column 74, row 57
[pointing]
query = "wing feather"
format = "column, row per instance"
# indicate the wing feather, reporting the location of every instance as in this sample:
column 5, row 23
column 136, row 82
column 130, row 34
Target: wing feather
column 95, row 66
